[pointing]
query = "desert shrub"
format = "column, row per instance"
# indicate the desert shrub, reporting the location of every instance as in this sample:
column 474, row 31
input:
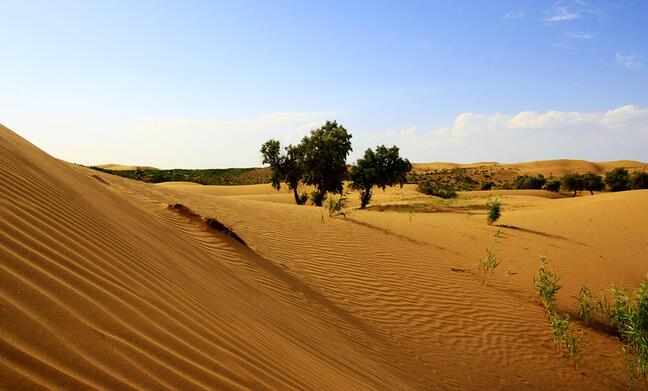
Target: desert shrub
column 494, row 211
column 573, row 182
column 639, row 180
column 546, row 283
column 487, row 185
column 628, row 313
column 303, row 197
column 592, row 182
column 553, row 184
column 317, row 198
column 437, row 189
column 586, row 304
column 559, row 324
column 529, row 182
column 336, row 207
column 381, row 168
column 488, row 264
column 617, row 179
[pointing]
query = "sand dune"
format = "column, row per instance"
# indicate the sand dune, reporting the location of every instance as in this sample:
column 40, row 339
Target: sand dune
column 104, row 286
column 555, row 167
column 121, row 167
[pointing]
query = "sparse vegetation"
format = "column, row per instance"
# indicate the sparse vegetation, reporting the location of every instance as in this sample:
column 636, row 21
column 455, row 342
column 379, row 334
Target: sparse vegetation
column 437, row 189
column 546, row 283
column 381, row 168
column 488, row 264
column 494, row 211
column 586, row 304
column 337, row 207
column 215, row 176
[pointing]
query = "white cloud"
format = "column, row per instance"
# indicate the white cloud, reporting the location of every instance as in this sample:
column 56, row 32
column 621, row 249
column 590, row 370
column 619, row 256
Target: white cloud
column 630, row 61
column 620, row 133
column 562, row 14
column 564, row 11
column 579, row 35
column 515, row 14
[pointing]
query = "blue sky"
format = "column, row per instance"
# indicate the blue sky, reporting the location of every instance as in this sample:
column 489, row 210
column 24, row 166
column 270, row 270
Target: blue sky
column 202, row 84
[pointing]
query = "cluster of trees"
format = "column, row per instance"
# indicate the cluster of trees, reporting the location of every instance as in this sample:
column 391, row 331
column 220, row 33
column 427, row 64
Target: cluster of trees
column 618, row 179
column 319, row 160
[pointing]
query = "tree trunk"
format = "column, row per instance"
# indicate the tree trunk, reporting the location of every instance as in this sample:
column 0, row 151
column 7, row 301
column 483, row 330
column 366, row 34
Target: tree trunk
column 297, row 200
column 365, row 198
column 574, row 193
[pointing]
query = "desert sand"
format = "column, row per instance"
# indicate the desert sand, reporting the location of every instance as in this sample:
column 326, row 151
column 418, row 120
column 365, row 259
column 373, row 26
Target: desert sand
column 104, row 286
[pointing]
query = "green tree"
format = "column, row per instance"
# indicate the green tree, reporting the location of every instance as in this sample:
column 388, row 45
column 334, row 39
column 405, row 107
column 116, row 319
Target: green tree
column 573, row 182
column 618, row 179
column 592, row 182
column 381, row 169
column 285, row 167
column 324, row 155
column 553, row 185
column 639, row 180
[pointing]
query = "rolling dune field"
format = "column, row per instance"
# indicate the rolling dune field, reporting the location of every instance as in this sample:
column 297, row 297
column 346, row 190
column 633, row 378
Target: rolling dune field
column 109, row 283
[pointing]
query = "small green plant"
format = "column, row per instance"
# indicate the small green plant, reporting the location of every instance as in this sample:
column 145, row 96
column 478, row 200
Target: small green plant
column 410, row 211
column 546, row 283
column 559, row 324
column 488, row 264
column 628, row 313
column 336, row 207
column 494, row 209
column 574, row 347
column 586, row 304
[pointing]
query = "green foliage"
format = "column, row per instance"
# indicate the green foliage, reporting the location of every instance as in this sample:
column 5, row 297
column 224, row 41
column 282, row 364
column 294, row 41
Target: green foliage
column 488, row 264
column 494, row 211
column 216, row 176
column 437, row 189
column 324, row 154
column 380, row 169
column 628, row 313
column 553, row 185
column 573, row 182
column 285, row 166
column 487, row 185
column 592, row 182
column 546, row 283
column 529, row 182
column 639, row 180
column 559, row 324
column 336, row 207
column 586, row 304
column 618, row 179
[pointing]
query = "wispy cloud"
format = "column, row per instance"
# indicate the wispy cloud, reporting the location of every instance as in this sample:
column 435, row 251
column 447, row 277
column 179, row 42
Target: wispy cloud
column 579, row 35
column 564, row 11
column 562, row 14
column 515, row 14
column 629, row 61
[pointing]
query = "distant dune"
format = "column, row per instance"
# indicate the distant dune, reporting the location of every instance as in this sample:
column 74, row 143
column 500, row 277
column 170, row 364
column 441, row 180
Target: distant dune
column 104, row 286
column 121, row 167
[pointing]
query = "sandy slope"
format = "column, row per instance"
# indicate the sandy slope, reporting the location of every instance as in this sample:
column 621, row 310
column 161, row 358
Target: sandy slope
column 103, row 286
column 121, row 167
